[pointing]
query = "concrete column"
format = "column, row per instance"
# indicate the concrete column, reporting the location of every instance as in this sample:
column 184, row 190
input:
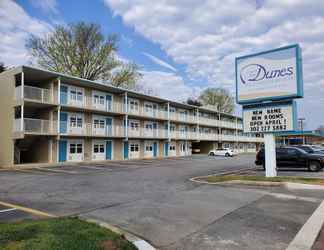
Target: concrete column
column 168, row 116
column 126, row 117
column 270, row 155
column 22, row 98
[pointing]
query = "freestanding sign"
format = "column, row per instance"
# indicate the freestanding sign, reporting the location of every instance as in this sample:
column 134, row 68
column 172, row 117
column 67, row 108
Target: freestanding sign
column 270, row 118
column 266, row 84
column 269, row 76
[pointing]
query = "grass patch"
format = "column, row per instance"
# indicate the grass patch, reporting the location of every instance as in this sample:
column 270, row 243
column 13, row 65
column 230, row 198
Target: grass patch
column 223, row 178
column 60, row 233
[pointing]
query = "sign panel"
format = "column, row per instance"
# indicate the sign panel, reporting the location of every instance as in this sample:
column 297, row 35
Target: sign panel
column 266, row 118
column 270, row 75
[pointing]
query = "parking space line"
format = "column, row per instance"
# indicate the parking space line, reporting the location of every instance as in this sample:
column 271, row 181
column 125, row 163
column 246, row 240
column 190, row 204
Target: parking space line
column 98, row 168
column 8, row 210
column 28, row 210
column 56, row 170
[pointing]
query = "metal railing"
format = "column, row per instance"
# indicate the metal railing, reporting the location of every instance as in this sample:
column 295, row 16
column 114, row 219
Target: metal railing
column 35, row 126
column 34, row 94
column 88, row 129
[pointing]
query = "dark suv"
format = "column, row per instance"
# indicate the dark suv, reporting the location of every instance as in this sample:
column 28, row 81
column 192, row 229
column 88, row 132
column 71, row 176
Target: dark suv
column 311, row 149
column 293, row 157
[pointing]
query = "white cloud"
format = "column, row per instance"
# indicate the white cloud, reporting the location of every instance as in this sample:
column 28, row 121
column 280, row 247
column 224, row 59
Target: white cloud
column 208, row 35
column 166, row 85
column 15, row 27
column 160, row 62
column 48, row 6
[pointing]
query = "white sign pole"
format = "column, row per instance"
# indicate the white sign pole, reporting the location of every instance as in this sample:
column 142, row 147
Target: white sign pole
column 270, row 155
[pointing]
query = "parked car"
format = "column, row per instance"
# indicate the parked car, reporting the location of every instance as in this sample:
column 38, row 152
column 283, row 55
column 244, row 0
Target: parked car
column 311, row 149
column 222, row 152
column 294, row 157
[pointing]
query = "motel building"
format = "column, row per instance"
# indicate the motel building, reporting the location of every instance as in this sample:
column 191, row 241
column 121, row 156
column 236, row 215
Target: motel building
column 47, row 117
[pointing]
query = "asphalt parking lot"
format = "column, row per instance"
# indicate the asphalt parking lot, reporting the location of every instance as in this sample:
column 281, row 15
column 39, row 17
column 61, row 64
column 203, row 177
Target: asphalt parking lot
column 155, row 200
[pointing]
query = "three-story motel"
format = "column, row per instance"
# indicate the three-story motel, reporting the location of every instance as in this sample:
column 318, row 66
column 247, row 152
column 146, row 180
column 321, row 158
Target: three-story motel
column 48, row 117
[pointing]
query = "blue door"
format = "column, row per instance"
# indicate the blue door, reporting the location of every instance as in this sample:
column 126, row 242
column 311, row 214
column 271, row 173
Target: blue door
column 155, row 149
column 63, row 122
column 63, row 94
column 62, row 150
column 108, row 102
column 166, row 149
column 108, row 150
column 126, row 150
column 108, row 126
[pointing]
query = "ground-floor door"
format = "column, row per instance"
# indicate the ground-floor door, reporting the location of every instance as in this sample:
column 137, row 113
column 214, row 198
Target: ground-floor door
column 150, row 149
column 75, row 150
column 184, row 148
column 134, row 150
column 172, row 149
column 98, row 150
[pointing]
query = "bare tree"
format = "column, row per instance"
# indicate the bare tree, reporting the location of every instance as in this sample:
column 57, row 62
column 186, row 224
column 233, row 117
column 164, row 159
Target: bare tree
column 194, row 102
column 82, row 50
column 218, row 98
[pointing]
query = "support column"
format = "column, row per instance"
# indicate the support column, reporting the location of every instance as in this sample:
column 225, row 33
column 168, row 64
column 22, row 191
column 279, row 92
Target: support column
column 168, row 115
column 22, row 99
column 270, row 155
column 126, row 117
column 197, row 126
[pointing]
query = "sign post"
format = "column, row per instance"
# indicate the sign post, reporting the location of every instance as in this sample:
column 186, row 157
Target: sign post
column 266, row 85
column 270, row 154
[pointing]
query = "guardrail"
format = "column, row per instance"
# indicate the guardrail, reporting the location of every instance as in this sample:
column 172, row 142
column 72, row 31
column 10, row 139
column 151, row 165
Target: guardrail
column 34, row 94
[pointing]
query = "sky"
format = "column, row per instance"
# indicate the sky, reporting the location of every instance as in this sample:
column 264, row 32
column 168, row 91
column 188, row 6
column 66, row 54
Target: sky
column 183, row 46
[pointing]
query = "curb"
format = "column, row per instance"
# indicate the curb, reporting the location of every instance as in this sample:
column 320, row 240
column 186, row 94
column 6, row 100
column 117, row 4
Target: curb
column 138, row 242
column 306, row 237
column 194, row 179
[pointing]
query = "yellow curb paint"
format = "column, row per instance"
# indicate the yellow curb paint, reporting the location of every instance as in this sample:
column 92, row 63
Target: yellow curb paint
column 28, row 210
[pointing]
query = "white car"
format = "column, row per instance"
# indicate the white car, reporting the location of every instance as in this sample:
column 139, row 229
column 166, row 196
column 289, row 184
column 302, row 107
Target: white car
column 222, row 152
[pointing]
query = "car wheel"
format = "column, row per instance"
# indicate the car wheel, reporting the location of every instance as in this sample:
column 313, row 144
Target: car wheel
column 211, row 154
column 227, row 155
column 314, row 166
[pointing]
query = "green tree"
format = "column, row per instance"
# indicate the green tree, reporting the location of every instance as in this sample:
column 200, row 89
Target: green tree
column 218, row 98
column 81, row 50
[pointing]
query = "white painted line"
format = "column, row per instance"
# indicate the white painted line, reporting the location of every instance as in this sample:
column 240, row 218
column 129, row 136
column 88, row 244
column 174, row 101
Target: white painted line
column 56, row 170
column 8, row 210
column 305, row 238
column 98, row 168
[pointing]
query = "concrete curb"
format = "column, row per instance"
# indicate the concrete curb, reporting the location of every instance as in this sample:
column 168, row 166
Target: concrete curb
column 195, row 179
column 306, row 237
column 138, row 242
column 288, row 185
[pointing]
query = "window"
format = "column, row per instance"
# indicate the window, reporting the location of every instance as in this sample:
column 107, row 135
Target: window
column 99, row 123
column 76, row 94
column 172, row 148
column 148, row 108
column 292, row 151
column 72, row 148
column 134, row 125
column 73, row 95
column 149, row 148
column 133, row 105
column 98, row 148
column 79, row 148
column 134, row 148
column 76, row 121
column 73, row 121
column 149, row 126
